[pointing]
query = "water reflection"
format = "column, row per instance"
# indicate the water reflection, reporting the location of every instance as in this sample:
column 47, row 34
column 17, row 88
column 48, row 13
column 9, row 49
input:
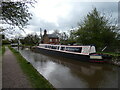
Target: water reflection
column 64, row 73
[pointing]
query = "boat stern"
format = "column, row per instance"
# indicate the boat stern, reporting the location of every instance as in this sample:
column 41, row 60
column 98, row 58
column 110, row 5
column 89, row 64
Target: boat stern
column 100, row 58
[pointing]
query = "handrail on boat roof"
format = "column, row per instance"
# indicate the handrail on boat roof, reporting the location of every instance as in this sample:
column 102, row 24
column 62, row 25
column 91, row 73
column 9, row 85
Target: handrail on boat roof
column 67, row 45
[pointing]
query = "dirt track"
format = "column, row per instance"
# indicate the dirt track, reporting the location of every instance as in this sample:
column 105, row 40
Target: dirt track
column 13, row 77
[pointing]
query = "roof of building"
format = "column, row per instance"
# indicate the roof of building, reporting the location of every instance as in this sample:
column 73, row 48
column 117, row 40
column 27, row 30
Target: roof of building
column 52, row 36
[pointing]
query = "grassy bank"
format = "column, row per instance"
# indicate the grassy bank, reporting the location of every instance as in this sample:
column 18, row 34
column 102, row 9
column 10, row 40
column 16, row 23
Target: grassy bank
column 2, row 50
column 110, row 53
column 37, row 80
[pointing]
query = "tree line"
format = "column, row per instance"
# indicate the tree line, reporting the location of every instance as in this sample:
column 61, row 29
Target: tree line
column 96, row 30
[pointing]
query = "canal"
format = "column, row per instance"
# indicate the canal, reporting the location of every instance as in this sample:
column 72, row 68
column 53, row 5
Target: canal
column 66, row 73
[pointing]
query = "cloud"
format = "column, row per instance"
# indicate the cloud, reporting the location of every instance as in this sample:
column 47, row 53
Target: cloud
column 63, row 15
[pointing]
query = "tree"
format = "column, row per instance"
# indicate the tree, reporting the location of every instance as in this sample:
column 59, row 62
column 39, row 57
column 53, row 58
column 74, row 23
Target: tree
column 57, row 32
column 5, row 42
column 95, row 29
column 15, row 40
column 15, row 13
column 64, row 38
column 30, row 39
column 72, row 37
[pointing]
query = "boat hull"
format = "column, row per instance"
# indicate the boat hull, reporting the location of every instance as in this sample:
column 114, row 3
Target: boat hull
column 85, row 58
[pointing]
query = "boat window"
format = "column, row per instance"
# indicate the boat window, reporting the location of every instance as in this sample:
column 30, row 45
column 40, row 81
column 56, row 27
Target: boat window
column 45, row 46
column 74, row 49
column 62, row 48
column 58, row 47
column 54, row 47
column 49, row 46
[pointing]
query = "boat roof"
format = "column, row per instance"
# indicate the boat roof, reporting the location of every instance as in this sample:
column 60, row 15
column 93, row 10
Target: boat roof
column 68, row 45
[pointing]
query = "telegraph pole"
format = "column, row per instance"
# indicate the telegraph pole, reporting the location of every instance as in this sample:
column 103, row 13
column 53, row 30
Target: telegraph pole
column 40, row 34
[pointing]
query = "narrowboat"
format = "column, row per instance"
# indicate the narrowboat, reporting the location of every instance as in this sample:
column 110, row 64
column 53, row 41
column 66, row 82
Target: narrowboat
column 81, row 53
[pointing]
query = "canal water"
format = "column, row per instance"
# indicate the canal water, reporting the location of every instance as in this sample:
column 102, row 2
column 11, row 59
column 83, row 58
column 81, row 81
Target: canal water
column 66, row 73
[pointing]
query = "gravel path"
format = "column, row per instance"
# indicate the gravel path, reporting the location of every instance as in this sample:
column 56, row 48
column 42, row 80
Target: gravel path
column 13, row 76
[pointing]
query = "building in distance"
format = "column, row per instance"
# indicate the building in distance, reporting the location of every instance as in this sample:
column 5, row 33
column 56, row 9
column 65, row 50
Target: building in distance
column 50, row 38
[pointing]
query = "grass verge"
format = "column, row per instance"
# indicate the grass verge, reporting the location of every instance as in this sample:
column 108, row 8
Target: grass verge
column 110, row 53
column 2, row 50
column 37, row 80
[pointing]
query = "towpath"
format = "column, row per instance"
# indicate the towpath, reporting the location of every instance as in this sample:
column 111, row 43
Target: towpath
column 0, row 68
column 12, row 75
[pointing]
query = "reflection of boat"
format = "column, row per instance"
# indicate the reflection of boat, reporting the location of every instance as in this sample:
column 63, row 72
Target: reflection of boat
column 82, row 53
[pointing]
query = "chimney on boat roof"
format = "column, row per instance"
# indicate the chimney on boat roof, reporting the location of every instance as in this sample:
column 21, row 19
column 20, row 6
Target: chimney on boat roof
column 45, row 32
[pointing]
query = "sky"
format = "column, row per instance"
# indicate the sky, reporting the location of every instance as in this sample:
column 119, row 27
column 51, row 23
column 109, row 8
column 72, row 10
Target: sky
column 64, row 15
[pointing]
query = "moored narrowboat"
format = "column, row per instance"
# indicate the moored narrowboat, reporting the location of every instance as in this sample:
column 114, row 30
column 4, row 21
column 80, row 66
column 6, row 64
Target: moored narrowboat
column 81, row 53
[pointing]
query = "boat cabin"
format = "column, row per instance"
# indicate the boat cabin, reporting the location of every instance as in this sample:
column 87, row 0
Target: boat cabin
column 86, row 50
